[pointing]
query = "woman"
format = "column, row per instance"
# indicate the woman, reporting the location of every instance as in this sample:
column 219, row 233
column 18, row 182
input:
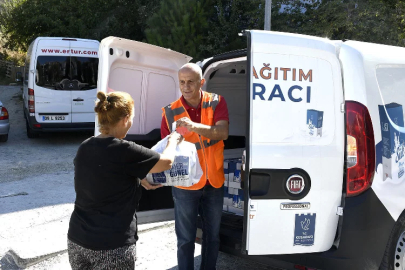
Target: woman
column 103, row 229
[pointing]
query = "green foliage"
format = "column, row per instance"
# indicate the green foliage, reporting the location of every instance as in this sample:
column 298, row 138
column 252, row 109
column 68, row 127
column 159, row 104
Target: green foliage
column 231, row 18
column 199, row 28
column 21, row 21
column 180, row 25
column 375, row 21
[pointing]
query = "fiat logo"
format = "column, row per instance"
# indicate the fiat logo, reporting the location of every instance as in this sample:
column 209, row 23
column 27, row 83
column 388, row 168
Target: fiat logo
column 295, row 184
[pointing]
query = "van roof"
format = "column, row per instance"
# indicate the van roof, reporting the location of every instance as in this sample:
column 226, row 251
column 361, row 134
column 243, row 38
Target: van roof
column 65, row 38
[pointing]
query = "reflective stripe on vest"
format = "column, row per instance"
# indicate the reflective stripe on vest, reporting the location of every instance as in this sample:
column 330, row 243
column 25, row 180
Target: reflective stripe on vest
column 206, row 144
column 171, row 113
column 212, row 103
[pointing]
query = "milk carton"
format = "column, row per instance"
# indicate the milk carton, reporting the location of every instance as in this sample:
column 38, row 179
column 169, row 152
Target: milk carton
column 393, row 141
column 231, row 170
column 235, row 201
column 241, row 199
column 314, row 123
column 237, row 176
column 226, row 194
column 226, row 172
column 229, row 198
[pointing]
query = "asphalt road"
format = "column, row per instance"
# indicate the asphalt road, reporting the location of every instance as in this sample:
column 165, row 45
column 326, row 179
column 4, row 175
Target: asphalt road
column 47, row 161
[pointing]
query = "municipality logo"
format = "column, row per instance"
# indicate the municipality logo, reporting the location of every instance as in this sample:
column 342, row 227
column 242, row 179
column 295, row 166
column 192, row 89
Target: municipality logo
column 305, row 224
column 399, row 148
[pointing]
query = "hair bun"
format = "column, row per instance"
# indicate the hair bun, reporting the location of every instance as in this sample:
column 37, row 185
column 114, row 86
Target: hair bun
column 101, row 96
column 101, row 106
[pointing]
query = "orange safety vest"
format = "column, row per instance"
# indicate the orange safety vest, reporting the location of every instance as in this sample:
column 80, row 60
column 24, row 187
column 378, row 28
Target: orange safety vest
column 210, row 152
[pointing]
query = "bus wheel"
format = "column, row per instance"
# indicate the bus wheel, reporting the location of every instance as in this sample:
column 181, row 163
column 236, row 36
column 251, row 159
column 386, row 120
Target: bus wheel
column 394, row 256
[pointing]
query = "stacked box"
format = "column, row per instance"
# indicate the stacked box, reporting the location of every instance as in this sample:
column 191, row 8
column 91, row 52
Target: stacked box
column 231, row 170
column 226, row 172
column 235, row 210
column 241, row 199
column 234, row 199
column 237, row 176
column 314, row 122
column 226, row 194
column 393, row 141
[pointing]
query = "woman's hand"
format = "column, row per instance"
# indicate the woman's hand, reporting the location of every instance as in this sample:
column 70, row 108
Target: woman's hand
column 175, row 137
column 149, row 186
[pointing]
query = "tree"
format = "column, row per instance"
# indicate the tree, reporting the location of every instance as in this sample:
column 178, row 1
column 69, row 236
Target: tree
column 180, row 25
column 377, row 21
column 231, row 17
column 21, row 21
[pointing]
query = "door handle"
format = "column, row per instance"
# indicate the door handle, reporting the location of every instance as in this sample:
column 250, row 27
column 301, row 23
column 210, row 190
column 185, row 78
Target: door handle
column 78, row 99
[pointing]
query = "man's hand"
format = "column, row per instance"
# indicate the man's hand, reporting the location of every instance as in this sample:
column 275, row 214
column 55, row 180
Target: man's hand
column 149, row 186
column 187, row 123
column 217, row 132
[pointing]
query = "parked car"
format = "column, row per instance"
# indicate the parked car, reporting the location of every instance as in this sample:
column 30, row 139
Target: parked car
column 4, row 123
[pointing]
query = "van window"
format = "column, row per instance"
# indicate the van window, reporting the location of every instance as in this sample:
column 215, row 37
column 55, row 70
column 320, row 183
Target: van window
column 67, row 73
column 85, row 70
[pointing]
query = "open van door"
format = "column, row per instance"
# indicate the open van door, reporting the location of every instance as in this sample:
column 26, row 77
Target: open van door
column 149, row 74
column 83, row 81
column 296, row 144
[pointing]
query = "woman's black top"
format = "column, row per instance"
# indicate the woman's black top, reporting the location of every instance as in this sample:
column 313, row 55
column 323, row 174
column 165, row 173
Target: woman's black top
column 107, row 176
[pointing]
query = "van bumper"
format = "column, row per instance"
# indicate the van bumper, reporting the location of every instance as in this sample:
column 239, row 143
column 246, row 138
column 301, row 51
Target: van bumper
column 60, row 127
column 4, row 127
column 366, row 228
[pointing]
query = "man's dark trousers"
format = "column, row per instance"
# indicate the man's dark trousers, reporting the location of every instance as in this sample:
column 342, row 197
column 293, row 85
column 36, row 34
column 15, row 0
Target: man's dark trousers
column 188, row 204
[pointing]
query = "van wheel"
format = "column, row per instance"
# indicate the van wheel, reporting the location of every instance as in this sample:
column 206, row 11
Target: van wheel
column 30, row 133
column 3, row 138
column 394, row 256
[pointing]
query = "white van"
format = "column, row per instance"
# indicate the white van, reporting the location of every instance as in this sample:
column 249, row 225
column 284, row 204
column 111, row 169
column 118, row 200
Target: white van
column 60, row 84
column 322, row 126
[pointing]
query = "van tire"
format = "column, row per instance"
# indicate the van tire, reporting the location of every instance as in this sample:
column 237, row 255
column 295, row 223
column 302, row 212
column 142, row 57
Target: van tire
column 3, row 138
column 30, row 133
column 395, row 250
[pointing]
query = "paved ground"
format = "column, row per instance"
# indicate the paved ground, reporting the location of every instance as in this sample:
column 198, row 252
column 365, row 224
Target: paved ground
column 37, row 195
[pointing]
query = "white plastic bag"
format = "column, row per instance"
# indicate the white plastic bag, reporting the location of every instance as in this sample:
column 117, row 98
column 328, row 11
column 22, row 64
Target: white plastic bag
column 186, row 170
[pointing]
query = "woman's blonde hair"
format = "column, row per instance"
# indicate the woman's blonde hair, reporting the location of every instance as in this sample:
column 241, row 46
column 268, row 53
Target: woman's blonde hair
column 111, row 108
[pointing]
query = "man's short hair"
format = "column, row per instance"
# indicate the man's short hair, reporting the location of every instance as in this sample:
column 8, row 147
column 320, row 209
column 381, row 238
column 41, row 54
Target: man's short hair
column 192, row 67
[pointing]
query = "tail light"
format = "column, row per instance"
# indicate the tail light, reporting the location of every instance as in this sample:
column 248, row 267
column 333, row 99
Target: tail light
column 31, row 100
column 360, row 149
column 3, row 114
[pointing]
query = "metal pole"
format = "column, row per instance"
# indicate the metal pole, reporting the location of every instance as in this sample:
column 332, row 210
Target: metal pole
column 267, row 15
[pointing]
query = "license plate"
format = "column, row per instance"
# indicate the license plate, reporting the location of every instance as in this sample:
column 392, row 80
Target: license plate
column 295, row 206
column 53, row 117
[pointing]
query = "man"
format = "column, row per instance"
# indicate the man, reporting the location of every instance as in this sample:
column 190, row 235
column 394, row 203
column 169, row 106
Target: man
column 204, row 116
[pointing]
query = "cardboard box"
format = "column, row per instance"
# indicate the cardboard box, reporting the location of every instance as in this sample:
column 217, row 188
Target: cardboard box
column 237, row 211
column 241, row 198
column 393, row 141
column 237, row 176
column 235, row 185
column 314, row 122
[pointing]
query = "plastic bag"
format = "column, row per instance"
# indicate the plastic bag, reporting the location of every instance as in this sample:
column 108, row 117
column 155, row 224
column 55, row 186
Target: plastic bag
column 186, row 170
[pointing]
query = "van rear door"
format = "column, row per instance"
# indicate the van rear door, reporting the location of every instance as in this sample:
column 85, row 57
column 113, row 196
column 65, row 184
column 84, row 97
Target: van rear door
column 52, row 100
column 295, row 158
column 149, row 74
column 83, row 82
